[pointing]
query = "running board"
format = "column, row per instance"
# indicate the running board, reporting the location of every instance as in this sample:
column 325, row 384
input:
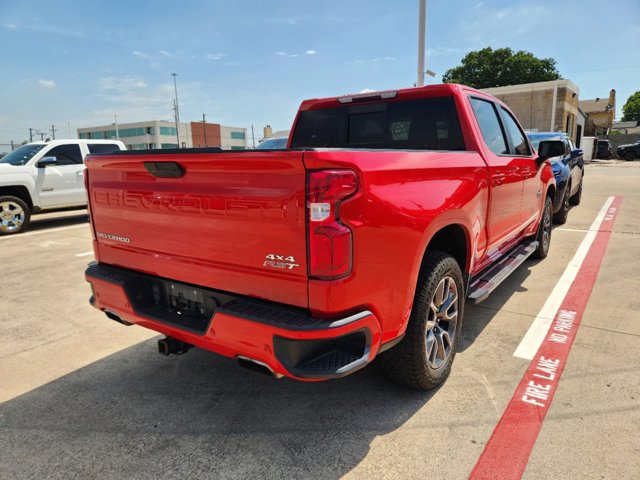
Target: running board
column 488, row 281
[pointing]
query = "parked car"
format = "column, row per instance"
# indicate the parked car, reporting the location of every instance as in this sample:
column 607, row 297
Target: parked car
column 568, row 170
column 365, row 238
column 43, row 176
column 273, row 143
column 604, row 150
column 630, row 151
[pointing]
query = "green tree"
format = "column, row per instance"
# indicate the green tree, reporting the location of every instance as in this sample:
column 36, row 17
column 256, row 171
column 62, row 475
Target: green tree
column 631, row 109
column 488, row 68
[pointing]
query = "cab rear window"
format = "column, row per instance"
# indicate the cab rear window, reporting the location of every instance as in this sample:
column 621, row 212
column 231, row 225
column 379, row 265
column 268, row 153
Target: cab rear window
column 424, row 124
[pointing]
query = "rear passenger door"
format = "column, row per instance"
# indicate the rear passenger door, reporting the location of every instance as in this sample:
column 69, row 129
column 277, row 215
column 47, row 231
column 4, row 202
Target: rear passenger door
column 528, row 168
column 504, row 221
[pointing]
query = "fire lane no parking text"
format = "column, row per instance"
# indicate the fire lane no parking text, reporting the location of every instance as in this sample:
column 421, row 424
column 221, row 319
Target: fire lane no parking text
column 507, row 452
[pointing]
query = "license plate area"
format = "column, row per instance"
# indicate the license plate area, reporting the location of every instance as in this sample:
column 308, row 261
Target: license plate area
column 185, row 306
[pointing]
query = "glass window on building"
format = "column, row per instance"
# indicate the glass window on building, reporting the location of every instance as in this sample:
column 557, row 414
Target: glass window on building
column 237, row 135
column 131, row 132
column 83, row 135
column 168, row 131
column 169, row 145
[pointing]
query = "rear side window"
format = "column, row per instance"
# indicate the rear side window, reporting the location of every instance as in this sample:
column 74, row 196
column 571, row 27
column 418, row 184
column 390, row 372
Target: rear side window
column 424, row 124
column 518, row 138
column 487, row 117
column 103, row 147
column 66, row 154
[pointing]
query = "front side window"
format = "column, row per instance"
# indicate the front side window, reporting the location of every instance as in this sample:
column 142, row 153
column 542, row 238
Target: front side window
column 487, row 117
column 66, row 154
column 518, row 138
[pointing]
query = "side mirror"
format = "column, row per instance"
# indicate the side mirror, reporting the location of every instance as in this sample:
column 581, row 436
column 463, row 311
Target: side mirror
column 550, row 148
column 576, row 152
column 47, row 162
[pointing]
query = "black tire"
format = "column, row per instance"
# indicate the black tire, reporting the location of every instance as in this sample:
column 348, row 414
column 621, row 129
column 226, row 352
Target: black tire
column 422, row 360
column 629, row 156
column 15, row 215
column 575, row 198
column 543, row 235
column 560, row 217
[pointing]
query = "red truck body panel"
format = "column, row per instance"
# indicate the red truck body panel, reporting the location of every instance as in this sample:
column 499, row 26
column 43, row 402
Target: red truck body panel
column 212, row 227
column 238, row 223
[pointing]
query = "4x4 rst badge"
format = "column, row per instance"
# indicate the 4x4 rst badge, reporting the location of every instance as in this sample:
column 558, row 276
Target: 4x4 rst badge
column 280, row 261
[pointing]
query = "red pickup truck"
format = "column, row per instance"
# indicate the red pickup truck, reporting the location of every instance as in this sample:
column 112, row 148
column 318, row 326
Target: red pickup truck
column 366, row 235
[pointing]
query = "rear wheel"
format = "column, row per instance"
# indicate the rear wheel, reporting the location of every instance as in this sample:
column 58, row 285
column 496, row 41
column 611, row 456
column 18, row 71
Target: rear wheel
column 560, row 217
column 14, row 215
column 422, row 360
column 543, row 236
column 628, row 156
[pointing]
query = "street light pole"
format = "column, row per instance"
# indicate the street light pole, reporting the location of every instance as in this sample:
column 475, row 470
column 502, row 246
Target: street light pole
column 115, row 120
column 176, row 109
column 421, row 41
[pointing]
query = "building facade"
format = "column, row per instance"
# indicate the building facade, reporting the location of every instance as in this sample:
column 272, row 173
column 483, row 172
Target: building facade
column 233, row 138
column 162, row 134
column 600, row 113
column 142, row 135
column 544, row 106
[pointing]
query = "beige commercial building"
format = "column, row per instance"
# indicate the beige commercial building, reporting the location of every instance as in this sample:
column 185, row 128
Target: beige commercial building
column 162, row 134
column 544, row 106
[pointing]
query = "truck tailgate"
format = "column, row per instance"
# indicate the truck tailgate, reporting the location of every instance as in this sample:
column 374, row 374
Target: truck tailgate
column 233, row 221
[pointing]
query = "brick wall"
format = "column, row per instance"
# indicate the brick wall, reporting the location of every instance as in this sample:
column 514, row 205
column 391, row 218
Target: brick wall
column 210, row 130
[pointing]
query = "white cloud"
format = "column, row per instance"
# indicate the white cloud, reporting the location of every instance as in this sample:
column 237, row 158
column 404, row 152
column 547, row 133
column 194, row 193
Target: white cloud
column 164, row 53
column 10, row 26
column 47, row 83
column 285, row 54
column 310, row 52
column 215, row 56
column 145, row 56
column 121, row 84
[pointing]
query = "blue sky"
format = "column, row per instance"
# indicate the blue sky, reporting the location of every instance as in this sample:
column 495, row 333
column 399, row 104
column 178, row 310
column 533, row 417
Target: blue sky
column 250, row 62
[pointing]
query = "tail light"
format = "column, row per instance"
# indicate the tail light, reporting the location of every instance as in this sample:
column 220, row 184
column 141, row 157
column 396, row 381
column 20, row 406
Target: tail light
column 330, row 242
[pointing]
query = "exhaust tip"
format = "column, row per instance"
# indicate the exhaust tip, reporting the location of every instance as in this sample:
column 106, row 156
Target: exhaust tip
column 256, row 366
column 115, row 317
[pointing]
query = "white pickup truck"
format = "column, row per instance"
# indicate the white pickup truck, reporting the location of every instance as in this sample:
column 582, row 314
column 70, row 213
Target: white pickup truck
column 43, row 176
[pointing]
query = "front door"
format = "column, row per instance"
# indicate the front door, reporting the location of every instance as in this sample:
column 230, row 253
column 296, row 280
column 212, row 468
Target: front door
column 62, row 184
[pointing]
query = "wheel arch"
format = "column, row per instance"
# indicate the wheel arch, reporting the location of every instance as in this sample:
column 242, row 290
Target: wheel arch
column 18, row 191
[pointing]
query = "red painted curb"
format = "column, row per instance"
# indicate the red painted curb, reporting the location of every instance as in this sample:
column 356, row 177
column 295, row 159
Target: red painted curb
column 507, row 452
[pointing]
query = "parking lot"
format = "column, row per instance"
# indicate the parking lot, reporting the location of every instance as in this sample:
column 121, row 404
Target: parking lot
column 84, row 397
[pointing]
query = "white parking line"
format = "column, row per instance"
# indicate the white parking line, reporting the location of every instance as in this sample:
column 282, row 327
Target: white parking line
column 47, row 230
column 84, row 254
column 540, row 326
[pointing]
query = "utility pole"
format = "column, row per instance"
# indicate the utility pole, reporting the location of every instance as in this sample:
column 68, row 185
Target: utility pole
column 177, row 111
column 31, row 135
column 421, row 41
column 53, row 131
column 115, row 120
column 204, row 128
column 253, row 137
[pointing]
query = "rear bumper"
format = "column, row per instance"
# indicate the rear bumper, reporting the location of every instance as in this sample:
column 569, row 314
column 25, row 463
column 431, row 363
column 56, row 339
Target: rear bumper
column 287, row 340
